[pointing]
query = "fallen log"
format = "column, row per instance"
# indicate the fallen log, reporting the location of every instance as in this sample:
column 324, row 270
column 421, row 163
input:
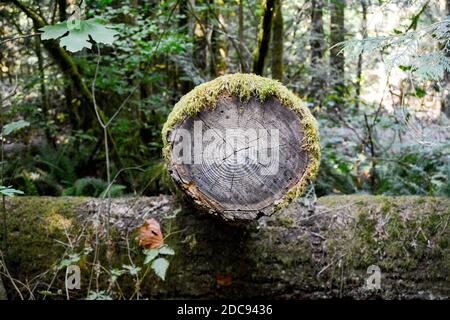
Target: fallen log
column 306, row 251
column 241, row 146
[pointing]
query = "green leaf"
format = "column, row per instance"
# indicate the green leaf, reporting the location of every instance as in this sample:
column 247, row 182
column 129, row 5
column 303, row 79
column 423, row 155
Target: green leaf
column 78, row 38
column 101, row 295
column 160, row 266
column 73, row 259
column 420, row 93
column 150, row 255
column 9, row 192
column 54, row 31
column 132, row 270
column 99, row 32
column 166, row 250
column 14, row 126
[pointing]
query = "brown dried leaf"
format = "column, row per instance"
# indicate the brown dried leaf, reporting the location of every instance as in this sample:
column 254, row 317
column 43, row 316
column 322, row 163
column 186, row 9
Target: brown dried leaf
column 150, row 235
column 224, row 280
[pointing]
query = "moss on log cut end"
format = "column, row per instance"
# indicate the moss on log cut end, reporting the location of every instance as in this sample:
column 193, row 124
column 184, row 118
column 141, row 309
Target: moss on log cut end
column 241, row 146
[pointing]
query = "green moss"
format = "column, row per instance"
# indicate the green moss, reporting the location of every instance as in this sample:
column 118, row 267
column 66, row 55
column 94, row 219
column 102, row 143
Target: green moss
column 246, row 86
column 34, row 223
column 396, row 233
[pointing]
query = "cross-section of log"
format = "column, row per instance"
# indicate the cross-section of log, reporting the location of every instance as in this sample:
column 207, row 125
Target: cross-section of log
column 241, row 146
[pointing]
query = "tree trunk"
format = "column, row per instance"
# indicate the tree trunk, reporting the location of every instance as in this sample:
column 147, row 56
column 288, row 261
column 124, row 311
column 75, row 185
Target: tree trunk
column 262, row 44
column 337, row 35
column 307, row 251
column 445, row 104
column 277, row 42
column 62, row 5
column 241, row 156
column 242, row 60
column 203, row 56
column 185, row 26
column 360, row 56
column 218, row 44
column 317, row 43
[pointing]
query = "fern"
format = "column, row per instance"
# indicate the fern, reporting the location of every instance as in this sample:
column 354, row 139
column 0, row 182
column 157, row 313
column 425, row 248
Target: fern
column 423, row 52
column 93, row 187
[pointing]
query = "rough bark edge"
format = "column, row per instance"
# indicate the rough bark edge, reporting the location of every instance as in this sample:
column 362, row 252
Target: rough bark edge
column 246, row 86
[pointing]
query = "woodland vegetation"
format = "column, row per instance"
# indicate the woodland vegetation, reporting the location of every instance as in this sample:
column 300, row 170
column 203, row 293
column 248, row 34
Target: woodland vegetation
column 81, row 114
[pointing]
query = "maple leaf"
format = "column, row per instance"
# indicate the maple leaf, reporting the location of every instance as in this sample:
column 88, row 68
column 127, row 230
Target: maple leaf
column 75, row 39
column 150, row 235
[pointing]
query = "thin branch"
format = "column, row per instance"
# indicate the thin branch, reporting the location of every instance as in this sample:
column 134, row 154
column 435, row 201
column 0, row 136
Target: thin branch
column 18, row 37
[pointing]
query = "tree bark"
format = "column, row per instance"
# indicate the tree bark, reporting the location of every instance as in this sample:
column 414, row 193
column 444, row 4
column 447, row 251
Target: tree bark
column 262, row 44
column 218, row 44
column 307, row 251
column 243, row 65
column 317, row 43
column 360, row 56
column 277, row 42
column 337, row 35
column 445, row 104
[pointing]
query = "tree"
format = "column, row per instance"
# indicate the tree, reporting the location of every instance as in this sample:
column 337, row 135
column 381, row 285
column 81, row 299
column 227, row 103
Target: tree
column 243, row 66
column 317, row 43
column 337, row 35
column 262, row 44
column 219, row 45
column 277, row 41
column 445, row 107
column 84, row 116
column 360, row 56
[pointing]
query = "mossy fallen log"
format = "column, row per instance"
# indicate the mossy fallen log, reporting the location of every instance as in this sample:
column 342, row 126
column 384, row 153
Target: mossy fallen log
column 305, row 251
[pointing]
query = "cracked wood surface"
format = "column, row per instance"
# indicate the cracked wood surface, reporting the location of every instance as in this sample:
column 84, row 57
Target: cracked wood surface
column 252, row 154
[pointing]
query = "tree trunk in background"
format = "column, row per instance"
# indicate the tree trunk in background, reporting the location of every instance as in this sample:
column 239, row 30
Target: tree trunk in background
column 84, row 111
column 321, row 250
column 445, row 103
column 337, row 34
column 317, row 42
column 243, row 66
column 262, row 44
column 360, row 57
column 43, row 88
column 201, row 51
column 62, row 6
column 277, row 42
column 185, row 85
column 219, row 46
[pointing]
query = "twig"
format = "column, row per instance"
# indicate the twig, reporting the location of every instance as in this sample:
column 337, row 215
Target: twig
column 19, row 37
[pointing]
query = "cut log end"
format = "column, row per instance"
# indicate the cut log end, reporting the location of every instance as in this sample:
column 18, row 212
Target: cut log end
column 240, row 158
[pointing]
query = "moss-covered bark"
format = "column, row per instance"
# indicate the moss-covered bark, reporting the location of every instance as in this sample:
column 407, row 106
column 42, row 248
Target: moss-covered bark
column 318, row 251
column 277, row 42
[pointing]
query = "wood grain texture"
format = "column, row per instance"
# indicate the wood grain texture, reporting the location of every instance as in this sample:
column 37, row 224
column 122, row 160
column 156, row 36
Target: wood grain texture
column 252, row 154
